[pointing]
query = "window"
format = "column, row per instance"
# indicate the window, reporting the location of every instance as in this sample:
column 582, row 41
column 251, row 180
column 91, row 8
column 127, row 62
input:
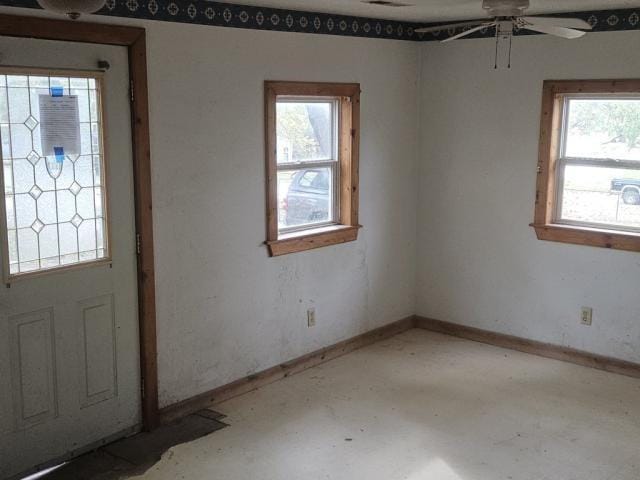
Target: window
column 588, row 188
column 54, row 209
column 312, row 142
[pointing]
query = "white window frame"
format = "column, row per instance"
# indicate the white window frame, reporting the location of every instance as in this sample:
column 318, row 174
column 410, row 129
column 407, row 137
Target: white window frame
column 564, row 160
column 332, row 163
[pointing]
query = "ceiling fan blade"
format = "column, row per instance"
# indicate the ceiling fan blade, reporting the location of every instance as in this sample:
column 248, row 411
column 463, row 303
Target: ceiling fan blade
column 555, row 31
column 558, row 22
column 469, row 32
column 439, row 28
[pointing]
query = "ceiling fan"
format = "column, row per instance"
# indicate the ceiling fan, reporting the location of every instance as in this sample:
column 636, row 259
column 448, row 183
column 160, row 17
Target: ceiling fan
column 508, row 16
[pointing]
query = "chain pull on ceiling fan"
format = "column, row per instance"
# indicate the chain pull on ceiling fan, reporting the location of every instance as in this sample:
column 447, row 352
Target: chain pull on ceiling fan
column 507, row 16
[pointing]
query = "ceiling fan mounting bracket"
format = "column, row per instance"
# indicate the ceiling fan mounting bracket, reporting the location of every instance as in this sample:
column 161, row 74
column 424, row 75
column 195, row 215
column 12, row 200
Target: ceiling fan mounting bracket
column 505, row 8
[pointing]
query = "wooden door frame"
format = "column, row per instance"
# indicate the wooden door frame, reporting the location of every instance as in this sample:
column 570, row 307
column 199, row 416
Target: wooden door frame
column 134, row 38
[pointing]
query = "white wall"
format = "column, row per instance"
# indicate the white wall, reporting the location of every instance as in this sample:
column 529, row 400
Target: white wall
column 225, row 309
column 480, row 263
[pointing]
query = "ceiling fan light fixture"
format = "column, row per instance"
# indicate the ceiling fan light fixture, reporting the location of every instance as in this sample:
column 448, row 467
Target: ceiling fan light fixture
column 72, row 8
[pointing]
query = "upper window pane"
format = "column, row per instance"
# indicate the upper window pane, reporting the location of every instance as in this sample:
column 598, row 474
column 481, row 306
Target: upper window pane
column 603, row 128
column 54, row 194
column 305, row 131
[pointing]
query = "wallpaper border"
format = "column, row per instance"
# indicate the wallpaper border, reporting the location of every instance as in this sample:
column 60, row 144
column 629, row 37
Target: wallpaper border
column 205, row 12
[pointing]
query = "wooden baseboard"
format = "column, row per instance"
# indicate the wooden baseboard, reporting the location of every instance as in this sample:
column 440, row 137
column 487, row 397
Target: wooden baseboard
column 542, row 349
column 270, row 375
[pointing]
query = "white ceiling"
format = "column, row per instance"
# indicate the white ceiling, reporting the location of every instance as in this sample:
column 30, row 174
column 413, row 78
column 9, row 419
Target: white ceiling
column 434, row 10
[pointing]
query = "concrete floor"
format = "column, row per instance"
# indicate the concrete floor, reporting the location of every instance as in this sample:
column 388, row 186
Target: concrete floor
column 425, row 406
column 136, row 454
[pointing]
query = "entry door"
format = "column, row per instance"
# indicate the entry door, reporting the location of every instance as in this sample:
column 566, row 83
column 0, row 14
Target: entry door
column 69, row 349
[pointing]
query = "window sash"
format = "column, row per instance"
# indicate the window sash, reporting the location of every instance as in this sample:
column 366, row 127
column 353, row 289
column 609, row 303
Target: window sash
column 334, row 194
column 565, row 122
column 601, row 162
column 332, row 163
column 562, row 163
column 564, row 160
column 306, row 165
column 335, row 124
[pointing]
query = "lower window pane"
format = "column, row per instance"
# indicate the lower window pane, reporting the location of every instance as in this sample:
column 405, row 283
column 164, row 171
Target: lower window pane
column 607, row 196
column 304, row 197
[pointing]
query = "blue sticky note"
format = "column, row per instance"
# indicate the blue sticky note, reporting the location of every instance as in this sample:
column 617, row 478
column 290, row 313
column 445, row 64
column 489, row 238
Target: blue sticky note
column 57, row 91
column 59, row 153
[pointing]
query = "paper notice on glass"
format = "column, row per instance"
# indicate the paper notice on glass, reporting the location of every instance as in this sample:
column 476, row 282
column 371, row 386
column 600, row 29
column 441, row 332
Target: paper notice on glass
column 59, row 125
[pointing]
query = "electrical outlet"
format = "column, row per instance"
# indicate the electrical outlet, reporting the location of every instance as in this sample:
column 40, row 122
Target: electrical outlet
column 311, row 317
column 586, row 315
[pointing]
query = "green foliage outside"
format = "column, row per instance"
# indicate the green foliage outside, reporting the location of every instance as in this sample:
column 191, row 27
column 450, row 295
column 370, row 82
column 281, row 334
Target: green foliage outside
column 619, row 120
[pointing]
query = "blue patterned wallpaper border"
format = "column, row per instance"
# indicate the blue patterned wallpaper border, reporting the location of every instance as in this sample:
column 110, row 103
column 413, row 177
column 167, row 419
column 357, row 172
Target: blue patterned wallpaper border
column 205, row 12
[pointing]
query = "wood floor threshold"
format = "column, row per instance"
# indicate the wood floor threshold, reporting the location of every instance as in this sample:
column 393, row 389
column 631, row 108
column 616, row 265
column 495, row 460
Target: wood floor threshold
column 557, row 352
column 270, row 375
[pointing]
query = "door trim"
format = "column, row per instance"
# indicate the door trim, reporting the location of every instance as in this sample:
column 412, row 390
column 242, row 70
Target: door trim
column 134, row 38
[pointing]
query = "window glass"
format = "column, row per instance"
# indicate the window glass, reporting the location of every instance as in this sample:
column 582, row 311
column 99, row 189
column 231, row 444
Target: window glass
column 54, row 204
column 604, row 196
column 304, row 197
column 304, row 131
column 308, row 177
column 603, row 128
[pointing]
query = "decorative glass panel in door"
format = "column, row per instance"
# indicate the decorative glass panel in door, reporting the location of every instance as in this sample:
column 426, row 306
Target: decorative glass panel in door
column 55, row 199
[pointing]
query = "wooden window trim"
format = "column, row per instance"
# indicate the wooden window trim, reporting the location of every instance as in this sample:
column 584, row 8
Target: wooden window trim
column 546, row 187
column 346, row 230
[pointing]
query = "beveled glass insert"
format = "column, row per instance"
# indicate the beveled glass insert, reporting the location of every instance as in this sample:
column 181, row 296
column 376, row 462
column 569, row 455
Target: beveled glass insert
column 54, row 205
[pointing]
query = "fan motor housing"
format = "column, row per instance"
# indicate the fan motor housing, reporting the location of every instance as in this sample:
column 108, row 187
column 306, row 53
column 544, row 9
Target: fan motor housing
column 505, row 8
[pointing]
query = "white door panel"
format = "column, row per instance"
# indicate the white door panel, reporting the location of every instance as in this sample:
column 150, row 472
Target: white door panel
column 69, row 348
